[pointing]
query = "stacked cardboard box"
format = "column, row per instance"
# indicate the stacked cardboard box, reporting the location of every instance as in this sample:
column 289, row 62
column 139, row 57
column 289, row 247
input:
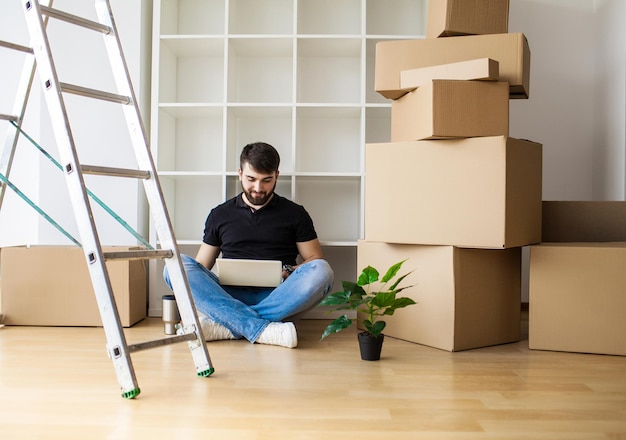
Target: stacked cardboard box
column 61, row 292
column 577, row 278
column 451, row 191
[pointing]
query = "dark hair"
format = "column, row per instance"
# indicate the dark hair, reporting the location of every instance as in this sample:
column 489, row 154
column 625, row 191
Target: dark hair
column 261, row 157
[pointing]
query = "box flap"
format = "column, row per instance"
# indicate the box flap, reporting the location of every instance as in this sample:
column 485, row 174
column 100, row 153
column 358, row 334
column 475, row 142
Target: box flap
column 572, row 221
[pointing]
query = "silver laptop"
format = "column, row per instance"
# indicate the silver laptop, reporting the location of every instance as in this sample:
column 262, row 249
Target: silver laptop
column 255, row 273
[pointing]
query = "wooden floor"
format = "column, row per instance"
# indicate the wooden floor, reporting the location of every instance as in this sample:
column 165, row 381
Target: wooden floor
column 57, row 383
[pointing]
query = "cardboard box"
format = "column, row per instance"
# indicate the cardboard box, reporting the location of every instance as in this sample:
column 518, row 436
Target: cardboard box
column 451, row 109
column 576, row 287
column 480, row 192
column 466, row 298
column 577, row 297
column 510, row 50
column 467, row 17
column 50, row 285
column 484, row 69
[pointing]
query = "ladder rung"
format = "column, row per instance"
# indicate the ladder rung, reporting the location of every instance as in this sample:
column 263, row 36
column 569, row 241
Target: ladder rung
column 115, row 172
column 162, row 342
column 16, row 46
column 8, row 117
column 96, row 94
column 138, row 254
column 74, row 19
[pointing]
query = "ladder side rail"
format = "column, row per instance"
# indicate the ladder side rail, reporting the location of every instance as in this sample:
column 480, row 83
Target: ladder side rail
column 163, row 225
column 116, row 342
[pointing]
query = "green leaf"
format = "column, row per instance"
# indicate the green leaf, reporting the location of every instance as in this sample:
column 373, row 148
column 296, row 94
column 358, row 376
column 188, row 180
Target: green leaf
column 403, row 302
column 352, row 288
column 336, row 298
column 355, row 301
column 398, row 304
column 375, row 328
column 368, row 276
column 399, row 280
column 392, row 271
column 337, row 325
column 384, row 299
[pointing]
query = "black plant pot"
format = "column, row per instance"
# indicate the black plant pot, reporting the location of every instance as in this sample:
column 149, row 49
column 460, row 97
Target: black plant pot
column 370, row 346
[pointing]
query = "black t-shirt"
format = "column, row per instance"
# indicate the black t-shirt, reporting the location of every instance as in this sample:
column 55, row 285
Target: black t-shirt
column 269, row 233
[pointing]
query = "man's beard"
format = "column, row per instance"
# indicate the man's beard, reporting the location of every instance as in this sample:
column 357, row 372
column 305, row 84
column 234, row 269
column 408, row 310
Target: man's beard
column 261, row 198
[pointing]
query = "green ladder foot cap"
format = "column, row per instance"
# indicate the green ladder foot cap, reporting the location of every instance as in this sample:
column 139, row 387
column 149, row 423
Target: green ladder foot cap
column 206, row 373
column 131, row 394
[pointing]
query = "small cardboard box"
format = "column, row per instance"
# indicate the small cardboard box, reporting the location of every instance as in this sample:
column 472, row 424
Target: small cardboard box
column 51, row 286
column 484, row 69
column 466, row 298
column 451, row 109
column 577, row 277
column 467, row 17
column 480, row 192
column 510, row 50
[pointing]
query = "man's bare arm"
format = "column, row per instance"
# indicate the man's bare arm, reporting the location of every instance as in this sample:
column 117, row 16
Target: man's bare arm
column 310, row 250
column 207, row 255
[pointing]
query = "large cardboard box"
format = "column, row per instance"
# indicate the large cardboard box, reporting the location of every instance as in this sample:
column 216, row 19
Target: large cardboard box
column 466, row 298
column 50, row 285
column 484, row 69
column 467, row 17
column 451, row 109
column 480, row 192
column 510, row 50
column 577, row 277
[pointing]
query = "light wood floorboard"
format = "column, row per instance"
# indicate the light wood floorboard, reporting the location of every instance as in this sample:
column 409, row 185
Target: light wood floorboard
column 57, row 383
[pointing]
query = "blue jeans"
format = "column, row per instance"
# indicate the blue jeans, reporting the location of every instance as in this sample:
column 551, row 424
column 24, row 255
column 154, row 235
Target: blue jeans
column 246, row 311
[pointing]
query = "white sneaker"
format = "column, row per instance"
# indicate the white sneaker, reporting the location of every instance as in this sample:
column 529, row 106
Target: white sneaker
column 213, row 331
column 279, row 333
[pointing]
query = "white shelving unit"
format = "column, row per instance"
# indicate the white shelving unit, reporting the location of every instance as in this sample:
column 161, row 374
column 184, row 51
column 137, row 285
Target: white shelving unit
column 298, row 74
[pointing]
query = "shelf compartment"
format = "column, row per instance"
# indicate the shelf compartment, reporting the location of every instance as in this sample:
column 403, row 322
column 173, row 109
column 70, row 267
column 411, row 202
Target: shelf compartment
column 329, row 70
column 329, row 17
column 190, row 139
column 377, row 124
column 261, row 17
column 283, row 186
column 192, row 17
column 396, row 17
column 189, row 199
column 334, row 205
column 371, row 95
column 191, row 70
column 328, row 139
column 271, row 124
column 260, row 70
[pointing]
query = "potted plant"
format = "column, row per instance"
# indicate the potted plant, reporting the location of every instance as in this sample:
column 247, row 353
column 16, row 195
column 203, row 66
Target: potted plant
column 370, row 306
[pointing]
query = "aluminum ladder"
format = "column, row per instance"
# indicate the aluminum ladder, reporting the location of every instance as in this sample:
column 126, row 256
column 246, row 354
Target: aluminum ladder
column 117, row 348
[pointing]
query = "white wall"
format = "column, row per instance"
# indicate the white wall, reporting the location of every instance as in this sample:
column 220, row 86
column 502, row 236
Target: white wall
column 98, row 128
column 610, row 104
column 576, row 105
column 559, row 112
